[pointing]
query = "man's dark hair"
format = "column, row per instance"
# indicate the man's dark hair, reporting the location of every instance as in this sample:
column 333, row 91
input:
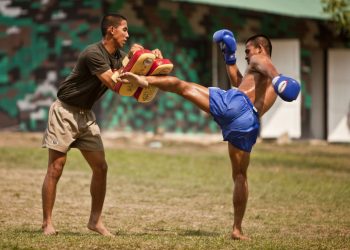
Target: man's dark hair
column 262, row 40
column 111, row 19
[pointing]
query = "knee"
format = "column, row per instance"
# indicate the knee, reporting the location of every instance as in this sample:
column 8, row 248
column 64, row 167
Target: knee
column 239, row 177
column 180, row 87
column 55, row 169
column 187, row 90
column 104, row 167
column 101, row 168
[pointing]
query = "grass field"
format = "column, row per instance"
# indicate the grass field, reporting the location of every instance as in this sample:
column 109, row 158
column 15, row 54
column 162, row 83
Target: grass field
column 179, row 197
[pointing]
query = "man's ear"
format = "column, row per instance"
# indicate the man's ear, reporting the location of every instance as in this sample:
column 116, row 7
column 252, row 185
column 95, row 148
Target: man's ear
column 261, row 49
column 110, row 30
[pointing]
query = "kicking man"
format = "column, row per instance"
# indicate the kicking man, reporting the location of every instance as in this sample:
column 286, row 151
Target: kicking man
column 238, row 110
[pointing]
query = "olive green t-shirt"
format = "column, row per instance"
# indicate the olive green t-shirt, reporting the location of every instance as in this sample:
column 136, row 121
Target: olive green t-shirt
column 82, row 88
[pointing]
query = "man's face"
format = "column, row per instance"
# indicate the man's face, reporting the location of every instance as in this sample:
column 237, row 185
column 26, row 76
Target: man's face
column 120, row 34
column 251, row 50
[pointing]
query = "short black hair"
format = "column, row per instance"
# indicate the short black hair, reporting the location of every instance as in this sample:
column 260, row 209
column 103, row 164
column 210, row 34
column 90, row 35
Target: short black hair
column 111, row 19
column 261, row 40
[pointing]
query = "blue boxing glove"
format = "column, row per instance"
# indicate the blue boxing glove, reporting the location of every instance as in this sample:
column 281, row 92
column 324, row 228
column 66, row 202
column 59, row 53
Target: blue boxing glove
column 287, row 88
column 227, row 43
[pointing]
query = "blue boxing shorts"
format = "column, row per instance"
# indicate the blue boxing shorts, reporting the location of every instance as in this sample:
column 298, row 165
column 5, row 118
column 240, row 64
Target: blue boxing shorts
column 236, row 115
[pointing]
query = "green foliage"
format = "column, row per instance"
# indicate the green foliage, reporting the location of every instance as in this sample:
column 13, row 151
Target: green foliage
column 340, row 12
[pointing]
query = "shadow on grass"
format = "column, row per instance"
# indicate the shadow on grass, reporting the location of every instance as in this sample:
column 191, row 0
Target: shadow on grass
column 39, row 232
column 122, row 233
column 166, row 232
column 201, row 233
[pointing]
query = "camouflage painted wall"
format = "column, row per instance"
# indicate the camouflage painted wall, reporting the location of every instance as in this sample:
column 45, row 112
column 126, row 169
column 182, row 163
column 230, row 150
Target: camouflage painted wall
column 40, row 40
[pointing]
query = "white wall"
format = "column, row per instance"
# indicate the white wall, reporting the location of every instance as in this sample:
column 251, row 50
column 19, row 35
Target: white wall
column 338, row 95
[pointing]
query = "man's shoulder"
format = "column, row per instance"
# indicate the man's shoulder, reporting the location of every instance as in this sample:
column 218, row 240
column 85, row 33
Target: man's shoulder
column 93, row 50
column 99, row 48
column 93, row 47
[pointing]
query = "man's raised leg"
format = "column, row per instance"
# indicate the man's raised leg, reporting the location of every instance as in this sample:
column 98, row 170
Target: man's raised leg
column 197, row 94
column 54, row 172
column 239, row 162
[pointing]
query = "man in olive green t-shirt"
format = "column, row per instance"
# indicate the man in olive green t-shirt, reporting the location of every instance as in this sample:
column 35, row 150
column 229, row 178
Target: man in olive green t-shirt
column 72, row 123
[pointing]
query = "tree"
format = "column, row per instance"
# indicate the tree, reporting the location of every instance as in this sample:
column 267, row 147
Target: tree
column 340, row 14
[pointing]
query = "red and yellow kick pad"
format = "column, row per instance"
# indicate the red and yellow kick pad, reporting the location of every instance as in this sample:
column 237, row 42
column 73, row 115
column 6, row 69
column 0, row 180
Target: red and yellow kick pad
column 143, row 62
column 140, row 63
column 159, row 67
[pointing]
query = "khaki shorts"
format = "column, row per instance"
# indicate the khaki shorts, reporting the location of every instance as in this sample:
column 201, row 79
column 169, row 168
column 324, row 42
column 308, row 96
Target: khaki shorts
column 71, row 127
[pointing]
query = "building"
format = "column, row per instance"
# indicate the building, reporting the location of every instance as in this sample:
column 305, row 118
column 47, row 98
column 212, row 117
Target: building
column 40, row 41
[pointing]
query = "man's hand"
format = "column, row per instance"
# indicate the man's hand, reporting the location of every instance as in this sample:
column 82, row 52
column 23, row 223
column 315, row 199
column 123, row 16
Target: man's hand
column 157, row 53
column 287, row 88
column 135, row 47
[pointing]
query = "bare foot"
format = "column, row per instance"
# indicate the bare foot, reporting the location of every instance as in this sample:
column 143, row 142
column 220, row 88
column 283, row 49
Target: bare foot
column 99, row 228
column 237, row 235
column 128, row 77
column 48, row 229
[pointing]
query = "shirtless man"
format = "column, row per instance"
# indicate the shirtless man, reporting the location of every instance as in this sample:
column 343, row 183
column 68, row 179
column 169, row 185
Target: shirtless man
column 238, row 110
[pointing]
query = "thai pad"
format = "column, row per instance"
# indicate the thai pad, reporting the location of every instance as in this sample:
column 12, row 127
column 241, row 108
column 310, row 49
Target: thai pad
column 140, row 63
column 159, row 67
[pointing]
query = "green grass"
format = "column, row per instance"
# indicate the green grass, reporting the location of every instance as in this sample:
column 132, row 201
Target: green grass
column 180, row 196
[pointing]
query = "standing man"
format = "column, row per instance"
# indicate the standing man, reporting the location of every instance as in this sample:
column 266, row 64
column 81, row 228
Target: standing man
column 72, row 123
column 238, row 110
